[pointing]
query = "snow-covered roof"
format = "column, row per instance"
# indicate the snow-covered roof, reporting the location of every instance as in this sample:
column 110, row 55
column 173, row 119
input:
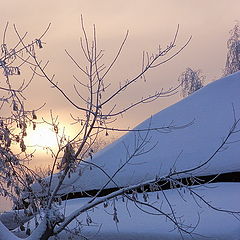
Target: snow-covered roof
column 207, row 115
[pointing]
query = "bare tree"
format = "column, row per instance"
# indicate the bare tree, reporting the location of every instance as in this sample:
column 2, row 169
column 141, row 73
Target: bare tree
column 15, row 118
column 233, row 54
column 96, row 112
column 191, row 81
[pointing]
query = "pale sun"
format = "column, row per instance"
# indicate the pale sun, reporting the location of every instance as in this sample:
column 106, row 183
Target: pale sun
column 42, row 136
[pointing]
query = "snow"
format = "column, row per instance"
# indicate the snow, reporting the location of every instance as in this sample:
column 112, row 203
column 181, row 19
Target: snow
column 5, row 234
column 12, row 219
column 211, row 110
column 134, row 224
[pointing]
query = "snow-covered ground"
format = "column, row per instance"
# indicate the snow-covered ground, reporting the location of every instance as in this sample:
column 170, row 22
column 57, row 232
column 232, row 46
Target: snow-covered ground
column 134, row 224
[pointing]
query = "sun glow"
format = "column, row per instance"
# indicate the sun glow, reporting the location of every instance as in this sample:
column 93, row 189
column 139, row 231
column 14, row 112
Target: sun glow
column 41, row 137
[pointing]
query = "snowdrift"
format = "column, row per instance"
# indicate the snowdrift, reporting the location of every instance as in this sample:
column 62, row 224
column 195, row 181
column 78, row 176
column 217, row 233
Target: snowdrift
column 211, row 112
column 134, row 224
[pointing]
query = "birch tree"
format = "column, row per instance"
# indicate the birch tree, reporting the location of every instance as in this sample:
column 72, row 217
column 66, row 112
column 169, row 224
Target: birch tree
column 233, row 54
column 191, row 81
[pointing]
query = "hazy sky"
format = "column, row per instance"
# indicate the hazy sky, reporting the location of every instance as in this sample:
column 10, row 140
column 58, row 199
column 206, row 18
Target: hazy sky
column 150, row 23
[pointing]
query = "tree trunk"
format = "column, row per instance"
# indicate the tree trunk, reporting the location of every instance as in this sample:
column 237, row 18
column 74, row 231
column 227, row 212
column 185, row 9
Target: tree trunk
column 43, row 232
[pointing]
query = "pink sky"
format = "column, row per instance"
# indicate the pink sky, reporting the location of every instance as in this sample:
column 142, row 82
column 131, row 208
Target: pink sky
column 150, row 23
